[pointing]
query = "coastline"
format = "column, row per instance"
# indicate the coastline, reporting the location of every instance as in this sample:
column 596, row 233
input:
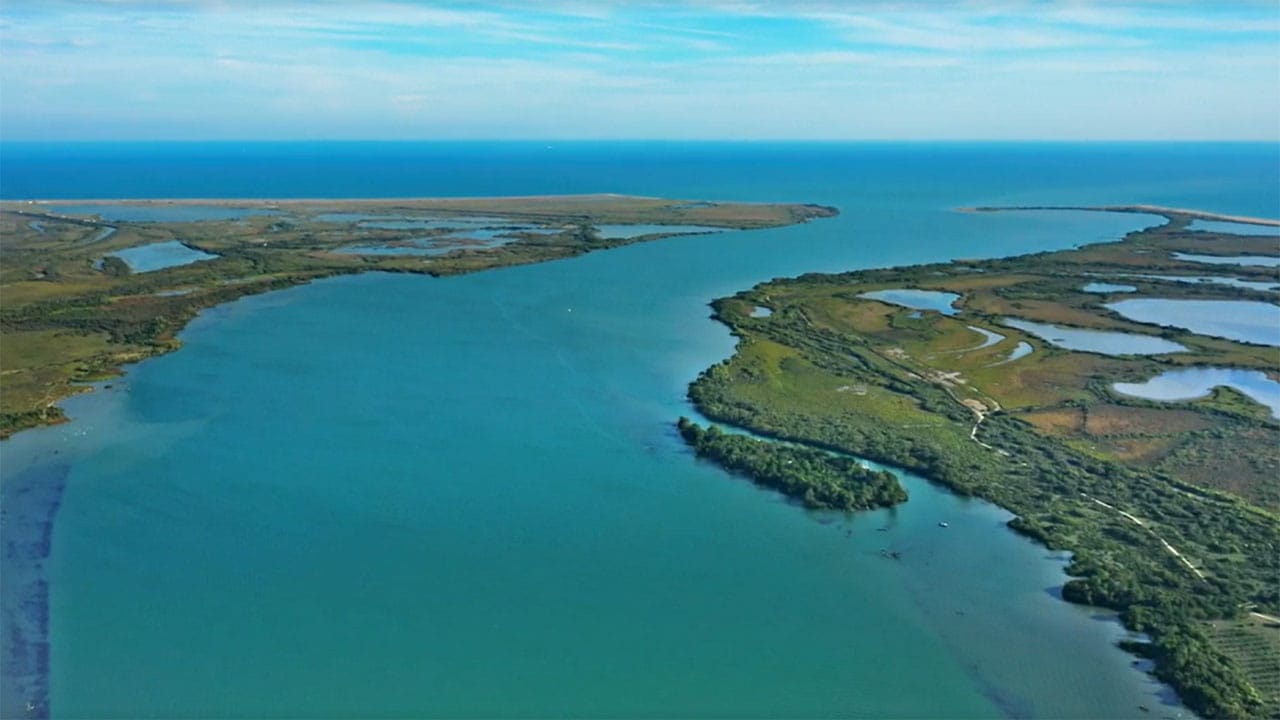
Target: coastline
column 1168, row 212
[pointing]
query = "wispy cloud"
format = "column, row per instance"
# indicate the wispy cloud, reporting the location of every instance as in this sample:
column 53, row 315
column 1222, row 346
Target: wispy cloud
column 766, row 69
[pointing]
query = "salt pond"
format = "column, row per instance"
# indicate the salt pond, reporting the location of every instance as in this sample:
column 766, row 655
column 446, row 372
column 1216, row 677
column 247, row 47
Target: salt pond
column 1097, row 287
column 917, row 299
column 1216, row 280
column 1191, row 383
column 989, row 338
column 1021, row 350
column 1233, row 227
column 1105, row 342
column 615, row 232
column 158, row 256
column 1262, row 260
column 1245, row 320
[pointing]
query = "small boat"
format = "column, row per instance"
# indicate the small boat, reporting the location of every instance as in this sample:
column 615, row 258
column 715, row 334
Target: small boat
column 943, row 524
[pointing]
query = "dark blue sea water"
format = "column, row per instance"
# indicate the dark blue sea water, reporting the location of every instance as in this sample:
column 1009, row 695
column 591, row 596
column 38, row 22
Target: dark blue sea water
column 402, row 496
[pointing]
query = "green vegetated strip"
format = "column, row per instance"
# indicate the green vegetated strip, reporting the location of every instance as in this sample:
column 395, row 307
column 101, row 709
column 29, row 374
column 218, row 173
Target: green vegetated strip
column 820, row 480
column 71, row 312
column 834, row 371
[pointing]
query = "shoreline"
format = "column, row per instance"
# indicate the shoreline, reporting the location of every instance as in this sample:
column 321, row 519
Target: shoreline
column 1167, row 212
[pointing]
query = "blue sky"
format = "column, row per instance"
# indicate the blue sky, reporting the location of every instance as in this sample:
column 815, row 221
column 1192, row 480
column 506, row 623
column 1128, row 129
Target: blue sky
column 710, row 69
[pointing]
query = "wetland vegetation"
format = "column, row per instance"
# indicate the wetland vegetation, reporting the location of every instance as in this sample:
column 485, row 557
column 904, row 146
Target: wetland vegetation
column 820, row 480
column 87, row 286
column 1170, row 509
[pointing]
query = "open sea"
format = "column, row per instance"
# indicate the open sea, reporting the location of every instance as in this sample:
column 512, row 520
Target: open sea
column 398, row 496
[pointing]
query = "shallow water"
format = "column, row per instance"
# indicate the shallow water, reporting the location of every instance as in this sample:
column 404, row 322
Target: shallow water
column 988, row 338
column 1218, row 280
column 158, row 256
column 1191, row 383
column 1246, row 320
column 935, row 300
column 434, row 245
column 1233, row 227
column 1259, row 260
column 1105, row 342
column 614, row 232
column 1108, row 288
column 401, row 496
column 1021, row 350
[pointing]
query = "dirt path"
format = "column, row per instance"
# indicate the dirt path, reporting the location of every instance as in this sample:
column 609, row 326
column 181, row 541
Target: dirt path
column 1172, row 550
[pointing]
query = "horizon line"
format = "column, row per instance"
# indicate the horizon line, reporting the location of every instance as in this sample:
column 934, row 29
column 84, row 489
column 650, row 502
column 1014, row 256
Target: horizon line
column 916, row 141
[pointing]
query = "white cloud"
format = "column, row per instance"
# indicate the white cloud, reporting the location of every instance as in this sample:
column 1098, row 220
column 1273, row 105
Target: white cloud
column 379, row 70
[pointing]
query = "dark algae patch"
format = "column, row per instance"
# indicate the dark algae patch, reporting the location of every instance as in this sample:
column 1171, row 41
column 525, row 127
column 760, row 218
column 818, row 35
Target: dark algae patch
column 1169, row 509
column 28, row 505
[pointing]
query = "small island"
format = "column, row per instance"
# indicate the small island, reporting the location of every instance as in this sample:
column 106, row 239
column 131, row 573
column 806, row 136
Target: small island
column 1120, row 398
column 90, row 285
column 820, row 480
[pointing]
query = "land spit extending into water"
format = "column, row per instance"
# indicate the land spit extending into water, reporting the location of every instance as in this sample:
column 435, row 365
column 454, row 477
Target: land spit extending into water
column 1171, row 510
column 1181, row 213
column 75, row 310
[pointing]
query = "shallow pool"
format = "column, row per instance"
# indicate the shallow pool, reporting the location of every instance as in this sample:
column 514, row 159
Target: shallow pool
column 1216, row 280
column 917, row 299
column 1098, row 287
column 614, row 232
column 1233, row 227
column 988, row 338
column 158, row 256
column 1021, row 350
column 1244, row 320
column 1262, row 260
column 1191, row 383
column 1105, row 342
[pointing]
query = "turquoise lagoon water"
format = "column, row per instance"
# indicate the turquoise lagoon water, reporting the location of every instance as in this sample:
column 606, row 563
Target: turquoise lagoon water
column 395, row 495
